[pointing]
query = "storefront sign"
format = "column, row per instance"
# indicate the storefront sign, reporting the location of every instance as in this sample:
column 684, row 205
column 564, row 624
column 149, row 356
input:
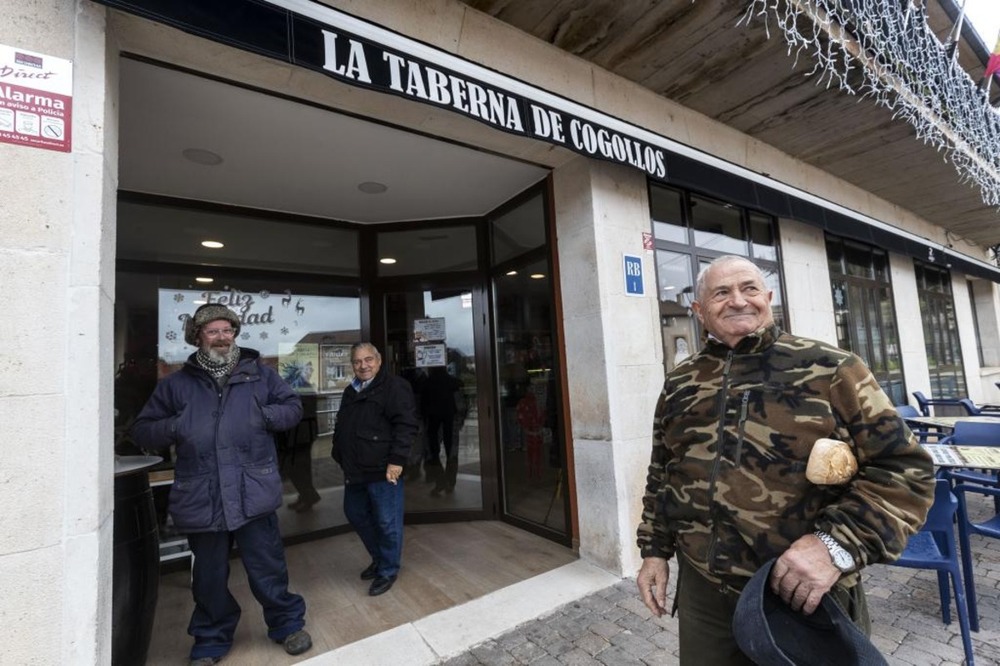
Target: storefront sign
column 36, row 99
column 312, row 35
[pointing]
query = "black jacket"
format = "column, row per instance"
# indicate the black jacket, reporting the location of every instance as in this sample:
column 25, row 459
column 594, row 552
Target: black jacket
column 375, row 428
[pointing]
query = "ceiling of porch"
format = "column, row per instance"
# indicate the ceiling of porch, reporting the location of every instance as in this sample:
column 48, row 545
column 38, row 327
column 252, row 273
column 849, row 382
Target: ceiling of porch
column 694, row 53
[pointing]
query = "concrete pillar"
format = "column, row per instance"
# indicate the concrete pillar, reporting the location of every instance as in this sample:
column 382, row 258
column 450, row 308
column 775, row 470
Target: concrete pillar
column 808, row 299
column 57, row 280
column 614, row 355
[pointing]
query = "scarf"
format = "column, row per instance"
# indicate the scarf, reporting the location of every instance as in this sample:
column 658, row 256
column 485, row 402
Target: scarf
column 218, row 369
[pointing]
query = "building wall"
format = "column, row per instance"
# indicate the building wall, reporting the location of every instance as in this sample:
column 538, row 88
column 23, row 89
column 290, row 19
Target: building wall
column 57, row 253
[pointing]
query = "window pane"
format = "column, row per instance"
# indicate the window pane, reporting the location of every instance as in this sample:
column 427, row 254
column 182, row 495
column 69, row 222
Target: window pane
column 941, row 341
column 254, row 242
column 519, row 230
column 765, row 246
column 858, row 260
column 718, row 226
column 427, row 250
column 665, row 207
column 676, row 290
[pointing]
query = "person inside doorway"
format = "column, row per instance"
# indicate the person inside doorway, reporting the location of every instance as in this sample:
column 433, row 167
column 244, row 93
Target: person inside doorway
column 221, row 411
column 439, row 407
column 372, row 437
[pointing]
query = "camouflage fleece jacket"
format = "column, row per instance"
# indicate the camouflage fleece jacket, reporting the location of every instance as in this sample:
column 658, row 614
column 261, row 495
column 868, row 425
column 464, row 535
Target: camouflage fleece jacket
column 731, row 438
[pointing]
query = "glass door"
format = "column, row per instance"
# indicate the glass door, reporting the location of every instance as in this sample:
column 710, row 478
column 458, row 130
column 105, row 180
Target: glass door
column 431, row 342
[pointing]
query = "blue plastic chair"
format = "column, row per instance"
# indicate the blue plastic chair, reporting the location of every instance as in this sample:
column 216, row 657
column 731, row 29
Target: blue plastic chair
column 933, row 547
column 989, row 528
column 923, row 434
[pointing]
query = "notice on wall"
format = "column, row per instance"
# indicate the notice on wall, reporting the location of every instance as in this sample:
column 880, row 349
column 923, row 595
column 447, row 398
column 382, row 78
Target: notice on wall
column 36, row 99
column 429, row 356
column 428, row 330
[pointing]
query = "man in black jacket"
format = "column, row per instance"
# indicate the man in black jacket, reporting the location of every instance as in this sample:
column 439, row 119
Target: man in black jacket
column 376, row 425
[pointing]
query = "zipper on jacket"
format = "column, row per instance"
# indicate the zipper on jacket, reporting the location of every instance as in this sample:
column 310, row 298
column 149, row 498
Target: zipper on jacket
column 744, row 408
column 719, row 449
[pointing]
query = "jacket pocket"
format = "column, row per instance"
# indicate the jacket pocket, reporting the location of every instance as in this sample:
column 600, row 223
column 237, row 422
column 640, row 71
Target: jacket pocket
column 191, row 502
column 373, row 448
column 261, row 489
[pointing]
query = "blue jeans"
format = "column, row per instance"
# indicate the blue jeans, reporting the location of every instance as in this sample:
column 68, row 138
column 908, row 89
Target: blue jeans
column 375, row 511
column 216, row 612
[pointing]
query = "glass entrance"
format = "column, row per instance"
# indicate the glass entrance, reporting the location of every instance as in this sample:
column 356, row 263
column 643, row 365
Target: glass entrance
column 430, row 341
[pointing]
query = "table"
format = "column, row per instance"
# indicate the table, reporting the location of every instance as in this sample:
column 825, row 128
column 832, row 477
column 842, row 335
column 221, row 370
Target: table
column 978, row 457
column 948, row 422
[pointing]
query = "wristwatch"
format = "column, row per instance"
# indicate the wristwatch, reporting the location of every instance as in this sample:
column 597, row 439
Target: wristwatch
column 842, row 559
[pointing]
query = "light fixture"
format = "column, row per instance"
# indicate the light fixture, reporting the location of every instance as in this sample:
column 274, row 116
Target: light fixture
column 511, row 272
column 537, row 276
column 202, row 156
column 387, row 260
column 215, row 245
column 371, row 187
column 204, row 279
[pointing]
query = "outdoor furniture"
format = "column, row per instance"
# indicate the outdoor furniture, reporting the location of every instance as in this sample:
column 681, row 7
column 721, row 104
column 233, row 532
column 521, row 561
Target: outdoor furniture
column 989, row 528
column 923, row 433
column 971, row 433
column 933, row 547
column 926, row 403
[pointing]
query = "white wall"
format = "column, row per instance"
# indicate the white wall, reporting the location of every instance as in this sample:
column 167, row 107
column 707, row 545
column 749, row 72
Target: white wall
column 910, row 325
column 57, row 254
column 614, row 358
column 808, row 300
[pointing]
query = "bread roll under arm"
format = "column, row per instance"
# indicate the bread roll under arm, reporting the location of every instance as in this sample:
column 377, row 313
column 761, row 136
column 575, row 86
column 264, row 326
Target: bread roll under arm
column 831, row 462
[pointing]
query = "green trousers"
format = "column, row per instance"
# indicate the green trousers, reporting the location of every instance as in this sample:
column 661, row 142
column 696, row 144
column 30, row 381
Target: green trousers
column 705, row 616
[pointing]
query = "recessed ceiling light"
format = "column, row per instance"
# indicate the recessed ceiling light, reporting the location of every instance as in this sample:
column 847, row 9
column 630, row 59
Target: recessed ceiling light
column 202, row 156
column 537, row 276
column 215, row 245
column 371, row 187
column 511, row 272
column 387, row 260
column 204, row 279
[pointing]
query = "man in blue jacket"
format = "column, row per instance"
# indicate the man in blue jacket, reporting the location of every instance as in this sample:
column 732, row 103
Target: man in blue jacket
column 220, row 410
column 375, row 427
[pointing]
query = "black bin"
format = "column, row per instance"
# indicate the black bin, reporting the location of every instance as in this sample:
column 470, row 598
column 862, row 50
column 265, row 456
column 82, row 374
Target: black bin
column 136, row 562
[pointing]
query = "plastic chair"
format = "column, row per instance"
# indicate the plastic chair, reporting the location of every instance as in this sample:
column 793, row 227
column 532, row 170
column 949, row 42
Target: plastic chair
column 923, row 434
column 923, row 403
column 933, row 547
column 989, row 528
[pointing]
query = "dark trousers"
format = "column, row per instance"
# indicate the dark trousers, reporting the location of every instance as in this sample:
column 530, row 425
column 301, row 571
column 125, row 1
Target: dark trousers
column 445, row 427
column 216, row 612
column 375, row 511
column 705, row 616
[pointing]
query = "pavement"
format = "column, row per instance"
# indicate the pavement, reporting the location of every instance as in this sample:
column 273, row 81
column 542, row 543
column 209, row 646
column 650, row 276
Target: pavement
column 581, row 615
column 611, row 627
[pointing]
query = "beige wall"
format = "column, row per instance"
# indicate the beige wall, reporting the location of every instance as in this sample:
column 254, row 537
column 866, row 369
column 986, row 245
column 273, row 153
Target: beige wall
column 56, row 462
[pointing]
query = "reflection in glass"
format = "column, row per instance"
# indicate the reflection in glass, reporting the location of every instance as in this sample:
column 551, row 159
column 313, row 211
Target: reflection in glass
column 665, row 206
column 431, row 344
column 717, row 226
column 531, row 455
column 676, row 290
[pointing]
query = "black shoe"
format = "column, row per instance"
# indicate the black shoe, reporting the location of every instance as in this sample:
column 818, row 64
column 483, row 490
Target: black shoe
column 370, row 572
column 205, row 661
column 298, row 642
column 381, row 585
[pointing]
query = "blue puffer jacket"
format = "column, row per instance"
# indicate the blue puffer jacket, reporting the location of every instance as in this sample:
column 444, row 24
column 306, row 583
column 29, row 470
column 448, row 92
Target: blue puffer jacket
column 226, row 473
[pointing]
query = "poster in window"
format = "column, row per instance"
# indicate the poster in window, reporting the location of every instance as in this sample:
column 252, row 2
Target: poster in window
column 335, row 370
column 429, row 330
column 297, row 365
column 429, row 356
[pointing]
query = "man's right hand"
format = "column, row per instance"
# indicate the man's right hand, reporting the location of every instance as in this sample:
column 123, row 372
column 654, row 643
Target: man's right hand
column 652, row 581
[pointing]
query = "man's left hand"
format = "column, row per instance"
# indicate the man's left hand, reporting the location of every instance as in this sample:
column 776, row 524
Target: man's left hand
column 392, row 473
column 804, row 573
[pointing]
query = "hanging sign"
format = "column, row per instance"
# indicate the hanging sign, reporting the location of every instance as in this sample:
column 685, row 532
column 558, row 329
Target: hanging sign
column 36, row 99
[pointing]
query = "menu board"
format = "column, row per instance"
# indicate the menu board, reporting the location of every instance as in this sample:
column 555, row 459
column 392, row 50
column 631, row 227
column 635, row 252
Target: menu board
column 980, row 457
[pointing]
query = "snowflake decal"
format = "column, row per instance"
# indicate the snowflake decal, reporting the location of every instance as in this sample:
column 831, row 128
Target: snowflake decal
column 178, row 298
column 284, row 330
column 171, row 336
column 838, row 297
column 263, row 335
column 264, row 294
column 244, row 336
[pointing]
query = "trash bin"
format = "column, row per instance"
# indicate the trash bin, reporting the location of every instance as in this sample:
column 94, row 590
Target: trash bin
column 136, row 561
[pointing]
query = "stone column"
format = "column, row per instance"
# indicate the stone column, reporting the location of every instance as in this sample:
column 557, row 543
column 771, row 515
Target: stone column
column 614, row 355
column 57, row 253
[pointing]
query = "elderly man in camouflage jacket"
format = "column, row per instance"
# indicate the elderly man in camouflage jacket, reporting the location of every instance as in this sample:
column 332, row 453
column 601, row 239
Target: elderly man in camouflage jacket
column 727, row 490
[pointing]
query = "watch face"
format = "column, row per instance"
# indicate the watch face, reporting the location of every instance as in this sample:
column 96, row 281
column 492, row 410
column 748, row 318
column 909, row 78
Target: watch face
column 843, row 560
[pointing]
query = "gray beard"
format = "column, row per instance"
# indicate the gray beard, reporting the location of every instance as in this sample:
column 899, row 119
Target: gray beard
column 217, row 356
